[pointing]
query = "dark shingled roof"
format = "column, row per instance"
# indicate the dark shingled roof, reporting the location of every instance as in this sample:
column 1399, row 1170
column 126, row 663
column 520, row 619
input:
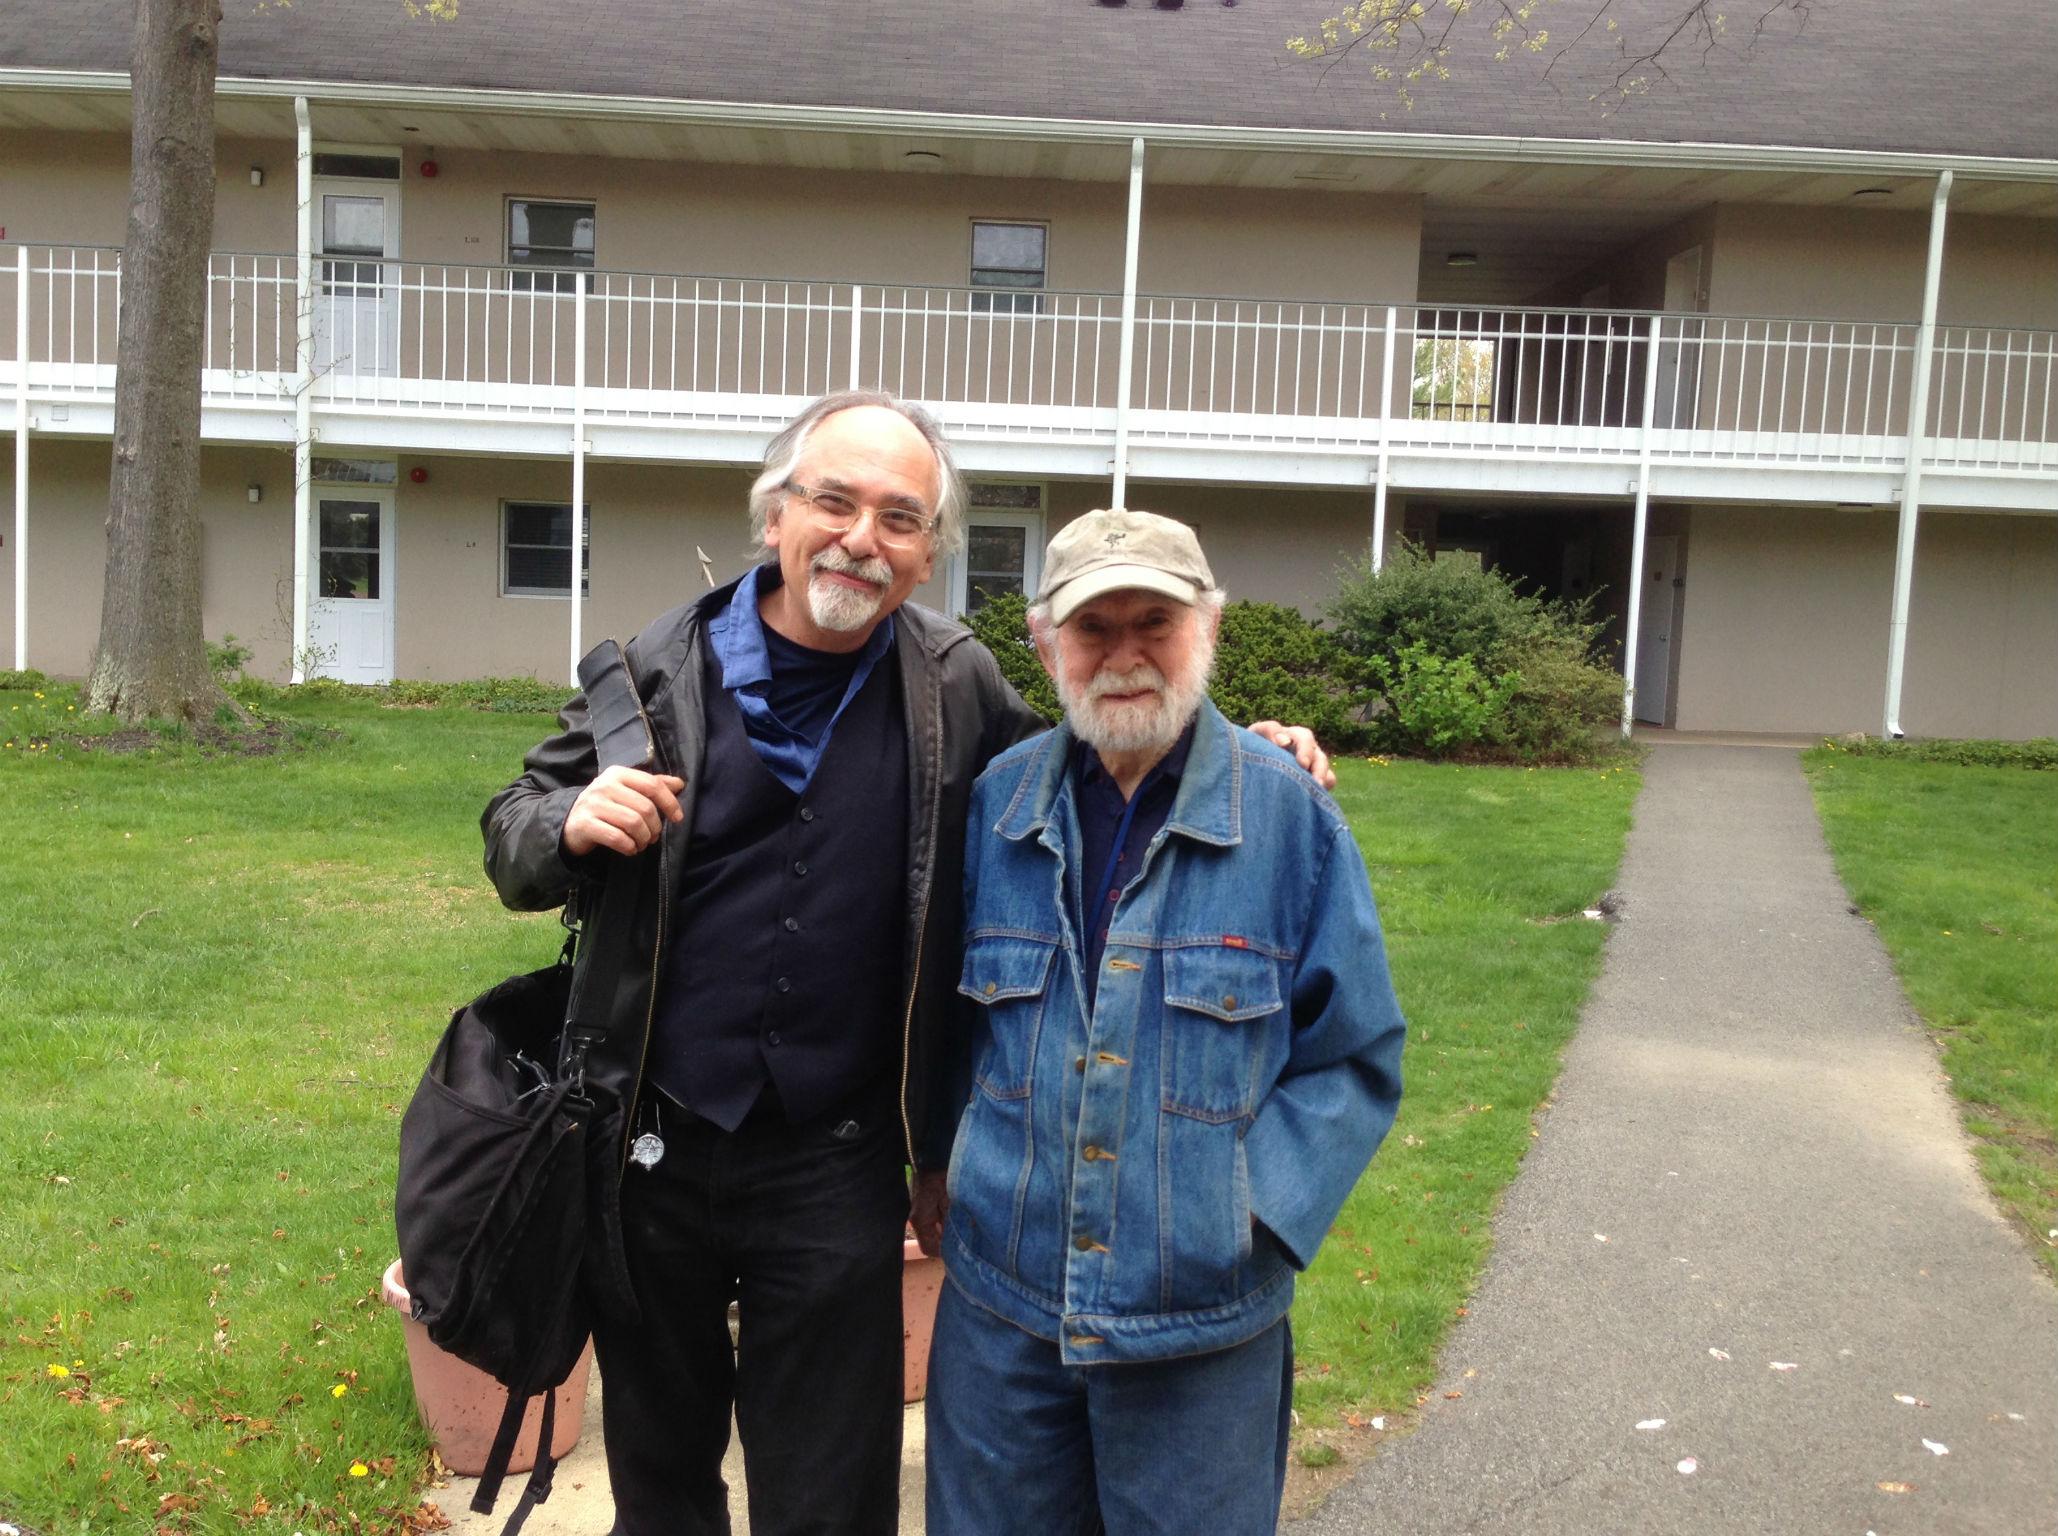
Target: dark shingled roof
column 1978, row 77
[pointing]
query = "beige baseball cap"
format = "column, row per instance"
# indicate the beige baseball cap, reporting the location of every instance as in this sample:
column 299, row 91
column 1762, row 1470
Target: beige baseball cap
column 1120, row 550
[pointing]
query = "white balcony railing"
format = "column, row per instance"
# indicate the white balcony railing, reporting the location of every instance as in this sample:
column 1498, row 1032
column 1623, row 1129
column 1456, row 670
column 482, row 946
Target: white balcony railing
column 432, row 340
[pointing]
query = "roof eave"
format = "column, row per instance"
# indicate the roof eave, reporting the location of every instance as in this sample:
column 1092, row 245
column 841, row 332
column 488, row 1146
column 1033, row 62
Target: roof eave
column 1706, row 156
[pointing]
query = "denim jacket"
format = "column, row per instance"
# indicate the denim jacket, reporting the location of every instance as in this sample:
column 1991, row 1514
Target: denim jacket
column 1142, row 1183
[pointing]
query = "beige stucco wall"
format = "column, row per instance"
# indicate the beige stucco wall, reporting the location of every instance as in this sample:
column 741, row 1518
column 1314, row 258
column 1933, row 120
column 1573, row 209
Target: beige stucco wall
column 1786, row 615
column 1858, row 264
column 245, row 552
column 670, row 217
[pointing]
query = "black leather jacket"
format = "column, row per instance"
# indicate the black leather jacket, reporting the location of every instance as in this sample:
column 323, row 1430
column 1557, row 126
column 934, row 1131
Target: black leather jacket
column 960, row 714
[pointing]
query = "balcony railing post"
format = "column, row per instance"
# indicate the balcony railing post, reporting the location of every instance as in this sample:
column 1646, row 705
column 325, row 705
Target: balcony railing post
column 21, row 459
column 1636, row 540
column 857, row 324
column 1385, row 442
column 578, row 577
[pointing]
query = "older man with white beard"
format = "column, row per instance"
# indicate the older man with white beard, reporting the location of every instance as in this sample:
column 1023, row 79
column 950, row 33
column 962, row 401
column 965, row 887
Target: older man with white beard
column 1183, row 1049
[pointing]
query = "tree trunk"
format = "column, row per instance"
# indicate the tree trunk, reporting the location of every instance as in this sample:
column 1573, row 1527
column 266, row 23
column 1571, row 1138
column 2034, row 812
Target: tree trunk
column 151, row 662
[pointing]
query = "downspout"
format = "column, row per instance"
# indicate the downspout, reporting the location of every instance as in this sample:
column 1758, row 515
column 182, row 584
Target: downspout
column 1636, row 541
column 21, row 460
column 1911, row 476
column 1128, row 357
column 578, row 472
column 303, row 382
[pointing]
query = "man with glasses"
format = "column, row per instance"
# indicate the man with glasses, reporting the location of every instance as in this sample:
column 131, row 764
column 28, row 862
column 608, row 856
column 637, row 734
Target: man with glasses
column 773, row 908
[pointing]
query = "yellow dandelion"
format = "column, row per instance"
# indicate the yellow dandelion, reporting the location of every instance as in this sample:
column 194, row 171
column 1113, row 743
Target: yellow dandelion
column 60, row 1371
column 359, row 1469
column 338, row 1390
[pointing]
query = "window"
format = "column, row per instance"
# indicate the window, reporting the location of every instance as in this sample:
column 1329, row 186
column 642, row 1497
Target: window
column 347, row 559
column 1003, row 543
column 1008, row 257
column 370, row 166
column 553, row 236
column 536, row 550
column 353, row 471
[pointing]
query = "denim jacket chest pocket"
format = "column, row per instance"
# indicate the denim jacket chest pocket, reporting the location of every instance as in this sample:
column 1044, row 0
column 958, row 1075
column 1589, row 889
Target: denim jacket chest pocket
column 1220, row 1001
column 1009, row 977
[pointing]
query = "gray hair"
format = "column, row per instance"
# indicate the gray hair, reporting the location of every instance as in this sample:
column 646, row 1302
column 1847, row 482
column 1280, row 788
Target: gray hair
column 782, row 457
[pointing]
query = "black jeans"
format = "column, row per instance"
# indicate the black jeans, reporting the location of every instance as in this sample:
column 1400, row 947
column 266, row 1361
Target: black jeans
column 801, row 1225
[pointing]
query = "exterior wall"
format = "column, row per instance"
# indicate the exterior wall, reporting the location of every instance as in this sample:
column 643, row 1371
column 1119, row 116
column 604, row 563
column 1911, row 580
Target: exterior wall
column 1771, row 261
column 76, row 191
column 1786, row 618
column 246, row 553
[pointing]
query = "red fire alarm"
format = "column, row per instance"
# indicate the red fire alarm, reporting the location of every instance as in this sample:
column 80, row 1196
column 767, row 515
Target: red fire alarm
column 418, row 475
column 429, row 169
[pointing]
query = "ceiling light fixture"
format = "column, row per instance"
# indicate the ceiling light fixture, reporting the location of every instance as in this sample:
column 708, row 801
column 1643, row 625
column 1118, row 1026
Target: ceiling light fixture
column 1462, row 259
column 1874, row 192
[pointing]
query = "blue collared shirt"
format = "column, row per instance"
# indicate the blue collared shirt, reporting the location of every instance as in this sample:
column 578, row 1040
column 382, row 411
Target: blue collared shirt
column 1104, row 816
column 784, row 706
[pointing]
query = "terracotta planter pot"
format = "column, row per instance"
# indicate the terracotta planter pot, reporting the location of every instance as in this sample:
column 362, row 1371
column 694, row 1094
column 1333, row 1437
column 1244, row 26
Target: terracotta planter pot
column 921, row 1282
column 461, row 1405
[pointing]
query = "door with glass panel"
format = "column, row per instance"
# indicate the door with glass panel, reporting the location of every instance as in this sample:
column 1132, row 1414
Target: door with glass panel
column 356, row 302
column 350, row 611
column 1003, row 551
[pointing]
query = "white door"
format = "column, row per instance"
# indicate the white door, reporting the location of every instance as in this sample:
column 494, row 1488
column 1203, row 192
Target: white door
column 356, row 306
column 350, row 619
column 1654, row 627
column 1679, row 352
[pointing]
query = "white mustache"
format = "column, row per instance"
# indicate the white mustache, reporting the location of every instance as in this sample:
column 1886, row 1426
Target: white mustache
column 843, row 563
column 1136, row 680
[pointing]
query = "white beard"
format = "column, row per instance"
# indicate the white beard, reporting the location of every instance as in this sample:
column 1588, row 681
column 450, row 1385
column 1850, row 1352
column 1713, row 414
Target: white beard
column 1150, row 726
column 831, row 604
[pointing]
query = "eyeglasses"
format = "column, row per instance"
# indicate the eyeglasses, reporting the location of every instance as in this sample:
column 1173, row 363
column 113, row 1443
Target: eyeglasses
column 839, row 514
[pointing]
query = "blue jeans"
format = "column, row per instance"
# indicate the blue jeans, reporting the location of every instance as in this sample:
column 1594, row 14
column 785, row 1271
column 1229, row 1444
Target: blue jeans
column 1021, row 1442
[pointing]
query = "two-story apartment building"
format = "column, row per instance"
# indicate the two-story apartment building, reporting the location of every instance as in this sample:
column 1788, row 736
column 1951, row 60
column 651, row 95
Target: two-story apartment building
column 1765, row 356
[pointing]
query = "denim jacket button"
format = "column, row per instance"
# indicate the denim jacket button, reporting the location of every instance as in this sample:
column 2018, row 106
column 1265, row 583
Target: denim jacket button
column 1083, row 1244
column 1228, row 999
column 992, row 987
column 1079, row 1066
column 1090, row 1152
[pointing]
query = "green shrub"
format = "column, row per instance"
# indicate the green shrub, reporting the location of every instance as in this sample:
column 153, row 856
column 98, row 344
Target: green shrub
column 1533, row 662
column 2041, row 752
column 1002, row 626
column 27, row 680
column 1559, row 706
column 1439, row 706
column 226, row 658
column 1272, row 664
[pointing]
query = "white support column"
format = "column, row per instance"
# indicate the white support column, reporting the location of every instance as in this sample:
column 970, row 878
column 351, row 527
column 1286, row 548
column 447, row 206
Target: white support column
column 303, row 385
column 1911, row 478
column 1385, row 442
column 21, row 459
column 1128, row 356
column 578, row 476
column 1636, row 540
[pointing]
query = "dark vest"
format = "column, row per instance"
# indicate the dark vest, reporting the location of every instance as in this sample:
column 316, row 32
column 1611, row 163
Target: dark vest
column 784, row 952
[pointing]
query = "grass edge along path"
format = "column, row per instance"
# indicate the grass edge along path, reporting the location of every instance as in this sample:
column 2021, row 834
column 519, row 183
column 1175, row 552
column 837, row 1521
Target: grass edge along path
column 1956, row 868
column 223, row 974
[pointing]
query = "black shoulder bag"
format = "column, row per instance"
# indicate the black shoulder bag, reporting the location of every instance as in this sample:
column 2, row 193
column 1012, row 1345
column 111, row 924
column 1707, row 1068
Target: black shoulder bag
column 506, row 1204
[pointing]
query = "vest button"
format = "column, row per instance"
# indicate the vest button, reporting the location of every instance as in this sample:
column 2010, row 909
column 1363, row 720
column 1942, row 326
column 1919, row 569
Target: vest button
column 1083, row 1244
column 782, row 985
column 772, row 1037
column 793, row 925
column 800, row 866
column 807, row 813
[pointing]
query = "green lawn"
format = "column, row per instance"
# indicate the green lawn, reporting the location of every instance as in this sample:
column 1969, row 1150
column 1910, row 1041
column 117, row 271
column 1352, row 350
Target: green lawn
column 1957, row 867
column 221, row 975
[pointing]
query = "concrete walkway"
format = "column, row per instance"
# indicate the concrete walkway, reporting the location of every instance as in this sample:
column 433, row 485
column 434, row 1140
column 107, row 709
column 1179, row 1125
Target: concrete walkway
column 1751, row 1215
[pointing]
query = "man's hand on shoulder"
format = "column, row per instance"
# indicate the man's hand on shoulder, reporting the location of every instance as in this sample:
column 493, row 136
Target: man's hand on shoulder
column 622, row 811
column 1300, row 741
